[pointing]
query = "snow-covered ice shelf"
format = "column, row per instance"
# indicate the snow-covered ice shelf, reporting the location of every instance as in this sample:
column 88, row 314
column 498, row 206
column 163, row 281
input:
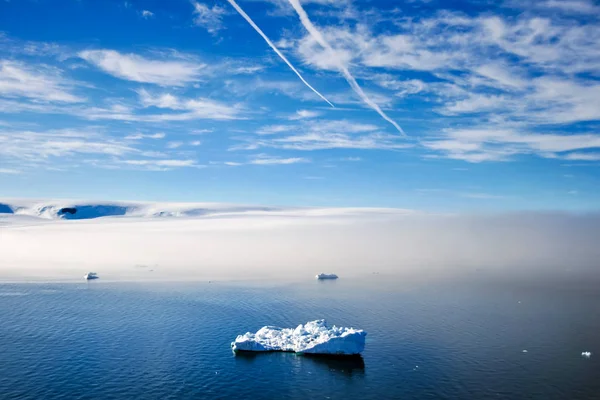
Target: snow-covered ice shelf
column 314, row 337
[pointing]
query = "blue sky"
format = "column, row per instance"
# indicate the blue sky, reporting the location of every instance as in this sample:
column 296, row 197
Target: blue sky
column 485, row 106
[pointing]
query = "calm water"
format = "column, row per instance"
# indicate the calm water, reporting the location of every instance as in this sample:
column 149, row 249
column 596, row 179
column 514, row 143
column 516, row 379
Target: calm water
column 456, row 339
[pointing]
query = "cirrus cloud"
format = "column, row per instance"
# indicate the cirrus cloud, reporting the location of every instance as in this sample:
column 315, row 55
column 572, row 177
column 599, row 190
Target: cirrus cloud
column 133, row 67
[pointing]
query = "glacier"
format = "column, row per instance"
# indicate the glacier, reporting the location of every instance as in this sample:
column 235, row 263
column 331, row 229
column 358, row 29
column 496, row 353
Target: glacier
column 314, row 337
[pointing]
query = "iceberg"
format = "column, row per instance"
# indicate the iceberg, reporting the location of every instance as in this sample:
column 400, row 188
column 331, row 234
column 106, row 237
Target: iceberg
column 326, row 276
column 314, row 337
column 90, row 275
column 586, row 354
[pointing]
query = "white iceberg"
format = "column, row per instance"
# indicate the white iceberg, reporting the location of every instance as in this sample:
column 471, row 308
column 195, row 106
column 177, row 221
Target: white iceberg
column 314, row 337
column 90, row 275
column 586, row 354
column 326, row 276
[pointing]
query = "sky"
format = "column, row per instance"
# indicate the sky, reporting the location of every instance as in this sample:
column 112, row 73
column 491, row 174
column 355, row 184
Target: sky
column 463, row 106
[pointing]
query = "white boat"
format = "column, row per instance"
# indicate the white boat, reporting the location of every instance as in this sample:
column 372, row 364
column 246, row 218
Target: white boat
column 326, row 276
column 90, row 275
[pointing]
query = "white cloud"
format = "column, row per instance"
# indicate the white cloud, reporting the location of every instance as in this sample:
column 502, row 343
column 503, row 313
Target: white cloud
column 14, row 48
column 402, row 88
column 200, row 131
column 9, row 171
column 69, row 147
column 272, row 129
column 133, row 67
column 547, row 100
column 40, row 83
column 282, row 8
column 263, row 159
column 564, row 101
column 488, row 144
column 165, row 100
column 162, row 163
column 506, row 78
column 351, row 98
column 568, row 6
column 195, row 143
column 189, row 108
column 246, row 69
column 475, row 103
column 147, row 14
column 583, row 156
column 208, row 18
column 304, row 114
column 292, row 89
column 137, row 136
column 326, row 134
column 174, row 145
column 321, row 141
column 151, row 153
column 343, row 125
column 502, row 74
column 39, row 146
column 533, row 69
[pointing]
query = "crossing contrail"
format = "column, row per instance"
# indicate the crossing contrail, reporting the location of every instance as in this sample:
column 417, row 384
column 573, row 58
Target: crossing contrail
column 275, row 49
column 314, row 32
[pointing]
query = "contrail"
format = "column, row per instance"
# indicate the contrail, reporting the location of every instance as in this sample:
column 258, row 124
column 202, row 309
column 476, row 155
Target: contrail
column 275, row 49
column 314, row 32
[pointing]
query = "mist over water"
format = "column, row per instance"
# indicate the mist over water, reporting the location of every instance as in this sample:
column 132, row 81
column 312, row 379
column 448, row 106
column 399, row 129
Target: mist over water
column 276, row 246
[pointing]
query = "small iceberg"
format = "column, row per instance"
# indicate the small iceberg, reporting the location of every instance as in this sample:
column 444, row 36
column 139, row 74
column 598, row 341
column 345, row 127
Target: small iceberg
column 326, row 276
column 586, row 354
column 90, row 275
column 314, row 337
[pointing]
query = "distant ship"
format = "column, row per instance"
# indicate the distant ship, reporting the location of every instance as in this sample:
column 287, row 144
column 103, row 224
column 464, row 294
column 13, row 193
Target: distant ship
column 327, row 276
column 90, row 275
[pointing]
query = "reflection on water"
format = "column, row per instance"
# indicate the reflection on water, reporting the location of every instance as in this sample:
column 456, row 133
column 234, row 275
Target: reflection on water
column 345, row 365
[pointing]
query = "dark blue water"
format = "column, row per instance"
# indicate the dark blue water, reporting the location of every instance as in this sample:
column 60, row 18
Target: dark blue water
column 450, row 339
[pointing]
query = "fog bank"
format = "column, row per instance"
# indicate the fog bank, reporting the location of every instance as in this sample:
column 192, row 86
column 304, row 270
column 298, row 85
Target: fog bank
column 280, row 244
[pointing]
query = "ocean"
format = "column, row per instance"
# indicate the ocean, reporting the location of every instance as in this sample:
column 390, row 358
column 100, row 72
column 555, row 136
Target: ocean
column 468, row 337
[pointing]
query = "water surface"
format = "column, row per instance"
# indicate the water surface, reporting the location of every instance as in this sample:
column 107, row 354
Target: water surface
column 452, row 339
